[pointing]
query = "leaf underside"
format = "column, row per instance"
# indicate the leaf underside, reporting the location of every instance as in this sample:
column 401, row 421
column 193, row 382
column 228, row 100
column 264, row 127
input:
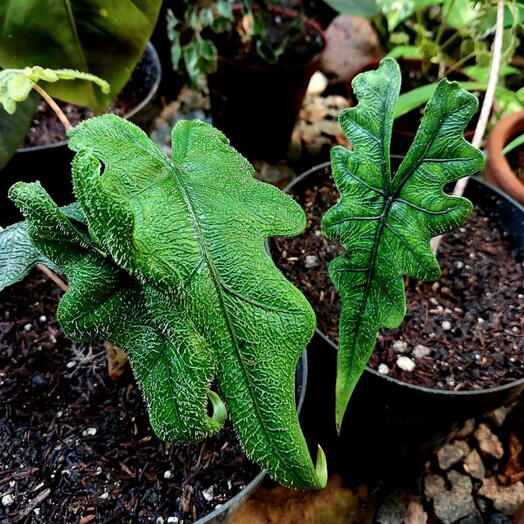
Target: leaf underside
column 174, row 271
column 384, row 222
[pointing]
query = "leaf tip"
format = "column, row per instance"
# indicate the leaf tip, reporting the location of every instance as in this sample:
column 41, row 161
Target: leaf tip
column 219, row 408
column 321, row 468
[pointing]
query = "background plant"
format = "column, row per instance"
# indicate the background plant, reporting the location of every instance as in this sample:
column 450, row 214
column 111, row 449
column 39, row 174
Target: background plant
column 386, row 222
column 191, row 32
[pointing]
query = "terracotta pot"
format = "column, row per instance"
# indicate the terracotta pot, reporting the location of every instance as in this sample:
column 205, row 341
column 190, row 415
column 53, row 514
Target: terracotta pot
column 257, row 106
column 498, row 171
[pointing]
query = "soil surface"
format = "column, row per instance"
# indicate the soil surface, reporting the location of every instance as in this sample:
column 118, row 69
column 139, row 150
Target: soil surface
column 76, row 447
column 307, row 44
column 516, row 161
column 470, row 322
column 46, row 128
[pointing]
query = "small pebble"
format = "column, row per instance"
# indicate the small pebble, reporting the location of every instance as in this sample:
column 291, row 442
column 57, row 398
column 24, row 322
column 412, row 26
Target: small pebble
column 168, row 474
column 43, row 318
column 89, row 432
column 459, row 264
column 405, row 363
column 515, row 329
column 421, row 351
column 8, row 500
column 446, row 325
column 208, row 493
column 311, row 261
column 172, row 520
column 105, row 495
column 71, row 364
column 480, row 320
column 159, row 520
column 383, row 369
column 400, row 346
column 28, row 327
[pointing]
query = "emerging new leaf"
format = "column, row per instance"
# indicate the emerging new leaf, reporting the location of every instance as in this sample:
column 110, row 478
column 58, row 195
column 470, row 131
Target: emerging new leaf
column 16, row 84
column 385, row 222
column 173, row 270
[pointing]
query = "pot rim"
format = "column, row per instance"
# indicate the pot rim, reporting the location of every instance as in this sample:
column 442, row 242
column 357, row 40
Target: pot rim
column 499, row 137
column 282, row 67
column 249, row 488
column 394, row 381
column 132, row 112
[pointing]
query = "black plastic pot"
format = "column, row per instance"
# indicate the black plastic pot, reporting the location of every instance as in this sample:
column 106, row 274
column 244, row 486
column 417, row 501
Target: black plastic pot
column 392, row 426
column 51, row 164
column 256, row 107
column 221, row 514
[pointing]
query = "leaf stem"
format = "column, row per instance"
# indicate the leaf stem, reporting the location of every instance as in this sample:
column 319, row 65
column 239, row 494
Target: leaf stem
column 54, row 106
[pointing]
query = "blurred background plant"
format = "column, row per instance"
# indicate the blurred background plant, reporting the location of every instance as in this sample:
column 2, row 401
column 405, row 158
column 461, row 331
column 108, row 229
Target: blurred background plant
column 192, row 26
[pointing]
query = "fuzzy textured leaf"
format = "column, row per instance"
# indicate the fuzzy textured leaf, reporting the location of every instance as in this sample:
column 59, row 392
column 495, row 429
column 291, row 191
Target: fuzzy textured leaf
column 386, row 222
column 18, row 255
column 102, row 37
column 174, row 271
column 16, row 84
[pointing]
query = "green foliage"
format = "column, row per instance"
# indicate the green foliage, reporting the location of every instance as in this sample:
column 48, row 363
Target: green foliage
column 13, row 128
column 193, row 50
column 516, row 142
column 366, row 8
column 102, row 38
column 172, row 269
column 385, row 222
column 16, row 84
column 192, row 53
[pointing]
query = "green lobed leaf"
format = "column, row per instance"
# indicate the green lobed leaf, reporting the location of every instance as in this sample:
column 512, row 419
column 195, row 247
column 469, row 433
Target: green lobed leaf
column 385, row 222
column 181, row 281
column 104, row 38
column 16, row 84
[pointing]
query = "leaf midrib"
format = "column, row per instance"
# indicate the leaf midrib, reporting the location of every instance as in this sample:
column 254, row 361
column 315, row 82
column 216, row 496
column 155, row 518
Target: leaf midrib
column 218, row 286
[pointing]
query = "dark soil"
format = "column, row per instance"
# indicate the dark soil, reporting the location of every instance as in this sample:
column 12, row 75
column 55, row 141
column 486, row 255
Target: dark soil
column 516, row 161
column 301, row 50
column 46, row 128
column 480, row 295
column 76, row 447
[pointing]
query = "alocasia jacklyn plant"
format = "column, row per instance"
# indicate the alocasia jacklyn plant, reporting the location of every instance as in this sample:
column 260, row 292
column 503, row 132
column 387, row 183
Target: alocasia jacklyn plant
column 385, row 222
column 165, row 258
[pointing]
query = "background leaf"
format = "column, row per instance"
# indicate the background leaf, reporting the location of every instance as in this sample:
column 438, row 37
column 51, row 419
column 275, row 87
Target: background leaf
column 385, row 223
column 13, row 128
column 102, row 37
column 365, row 8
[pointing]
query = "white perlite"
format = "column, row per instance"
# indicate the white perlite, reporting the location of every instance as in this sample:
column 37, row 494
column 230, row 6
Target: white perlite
column 405, row 363
column 7, row 500
column 421, row 351
column 400, row 346
column 383, row 369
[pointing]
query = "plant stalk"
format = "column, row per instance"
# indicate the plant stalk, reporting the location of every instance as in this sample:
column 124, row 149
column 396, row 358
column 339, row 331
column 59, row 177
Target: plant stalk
column 54, row 106
column 489, row 97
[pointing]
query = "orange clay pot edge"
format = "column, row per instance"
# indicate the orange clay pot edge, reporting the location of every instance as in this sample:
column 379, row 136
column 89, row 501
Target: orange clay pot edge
column 498, row 170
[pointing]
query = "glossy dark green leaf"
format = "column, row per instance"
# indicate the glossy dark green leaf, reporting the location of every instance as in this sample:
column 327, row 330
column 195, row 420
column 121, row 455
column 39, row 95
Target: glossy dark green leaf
column 385, row 223
column 174, row 271
column 105, row 38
